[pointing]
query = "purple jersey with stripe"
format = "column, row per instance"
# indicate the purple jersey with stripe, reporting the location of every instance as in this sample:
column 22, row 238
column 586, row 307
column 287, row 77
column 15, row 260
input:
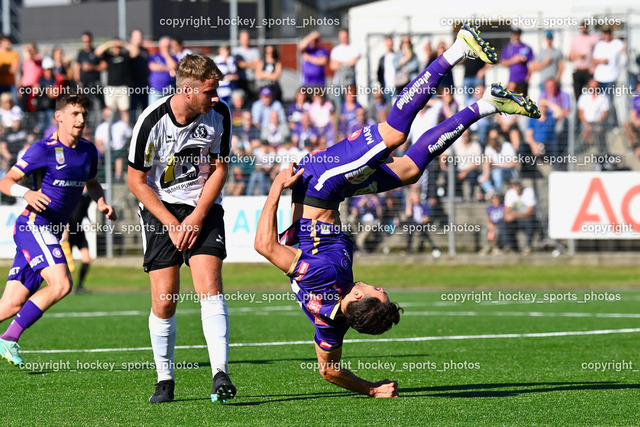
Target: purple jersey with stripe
column 61, row 173
column 342, row 170
column 320, row 274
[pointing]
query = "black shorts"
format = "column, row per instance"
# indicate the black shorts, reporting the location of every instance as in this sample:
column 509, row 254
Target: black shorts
column 159, row 251
column 77, row 237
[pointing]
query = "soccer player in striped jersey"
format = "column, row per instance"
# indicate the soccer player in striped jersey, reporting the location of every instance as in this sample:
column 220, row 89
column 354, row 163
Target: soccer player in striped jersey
column 317, row 255
column 62, row 165
column 177, row 167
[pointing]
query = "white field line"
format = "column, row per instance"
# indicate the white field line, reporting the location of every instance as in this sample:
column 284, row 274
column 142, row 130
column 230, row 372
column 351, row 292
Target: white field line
column 372, row 340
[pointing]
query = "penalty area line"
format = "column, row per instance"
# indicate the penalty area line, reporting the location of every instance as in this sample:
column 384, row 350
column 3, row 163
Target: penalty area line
column 372, row 340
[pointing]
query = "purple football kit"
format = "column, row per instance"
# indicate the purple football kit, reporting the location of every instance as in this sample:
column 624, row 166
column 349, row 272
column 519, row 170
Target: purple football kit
column 61, row 173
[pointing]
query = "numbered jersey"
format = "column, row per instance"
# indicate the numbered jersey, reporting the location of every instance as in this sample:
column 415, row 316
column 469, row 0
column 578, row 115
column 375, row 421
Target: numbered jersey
column 178, row 157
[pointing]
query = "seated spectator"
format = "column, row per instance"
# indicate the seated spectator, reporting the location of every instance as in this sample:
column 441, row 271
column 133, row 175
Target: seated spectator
column 269, row 70
column 495, row 226
column 509, row 129
column 238, row 107
column 519, row 215
column 593, row 107
column 632, row 127
column 262, row 108
column 366, row 212
column 247, row 131
column 14, row 140
column 321, row 113
column 378, row 104
column 276, row 132
column 299, row 106
column 304, row 132
column 418, row 217
column 240, row 168
column 541, row 136
column 467, row 160
column 482, row 126
column 347, row 112
column 260, row 175
column 9, row 111
column 449, row 104
column 286, row 153
column 314, row 60
column 499, row 163
column 227, row 65
column 361, row 120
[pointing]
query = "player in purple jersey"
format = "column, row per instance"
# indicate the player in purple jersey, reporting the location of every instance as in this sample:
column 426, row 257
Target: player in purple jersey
column 62, row 165
column 320, row 268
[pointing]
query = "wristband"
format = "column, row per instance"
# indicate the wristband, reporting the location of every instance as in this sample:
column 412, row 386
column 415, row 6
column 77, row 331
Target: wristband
column 18, row 190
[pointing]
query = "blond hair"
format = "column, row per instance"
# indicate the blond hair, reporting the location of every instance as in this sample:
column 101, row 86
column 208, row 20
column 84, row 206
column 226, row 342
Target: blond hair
column 197, row 68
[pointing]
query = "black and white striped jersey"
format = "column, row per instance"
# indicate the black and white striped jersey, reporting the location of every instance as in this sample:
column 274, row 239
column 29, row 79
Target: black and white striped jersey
column 178, row 157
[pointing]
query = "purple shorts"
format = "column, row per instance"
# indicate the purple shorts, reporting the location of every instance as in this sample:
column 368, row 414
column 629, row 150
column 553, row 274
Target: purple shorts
column 37, row 247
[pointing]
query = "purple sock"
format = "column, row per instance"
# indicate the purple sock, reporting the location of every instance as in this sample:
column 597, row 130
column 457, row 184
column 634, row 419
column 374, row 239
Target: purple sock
column 436, row 140
column 27, row 316
column 416, row 94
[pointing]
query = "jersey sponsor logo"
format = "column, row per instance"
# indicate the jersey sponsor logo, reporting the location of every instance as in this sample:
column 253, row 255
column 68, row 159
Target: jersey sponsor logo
column 27, row 255
column 37, row 260
column 325, row 344
column 200, row 132
column 315, row 304
column 68, row 183
column 302, row 270
column 360, row 175
column 57, row 253
column 22, row 163
column 368, row 136
column 60, row 155
column 319, row 321
column 14, row 271
column 182, row 167
column 355, row 134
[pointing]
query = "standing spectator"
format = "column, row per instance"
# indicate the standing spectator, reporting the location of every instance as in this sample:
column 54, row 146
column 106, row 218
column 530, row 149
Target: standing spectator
column 237, row 107
column 247, row 58
column 519, row 215
column 269, row 70
column 298, row 107
column 499, row 163
column 46, row 91
column 15, row 138
column 178, row 50
column 227, row 65
column 406, row 64
column 581, row 54
column 9, row 64
column 119, row 137
column 632, row 127
column 62, row 69
column 87, row 70
column 467, row 159
column 343, row 61
column 118, row 55
column 314, row 60
column 593, row 108
column 366, row 213
column 516, row 55
column 162, row 67
column 474, row 72
column 387, row 70
column 495, row 226
column 262, row 108
column 549, row 62
column 418, row 217
column 139, row 99
column 606, row 58
column 31, row 72
column 347, row 112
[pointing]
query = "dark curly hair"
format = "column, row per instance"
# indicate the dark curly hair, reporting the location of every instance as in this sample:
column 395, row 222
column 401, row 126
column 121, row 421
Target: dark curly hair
column 372, row 316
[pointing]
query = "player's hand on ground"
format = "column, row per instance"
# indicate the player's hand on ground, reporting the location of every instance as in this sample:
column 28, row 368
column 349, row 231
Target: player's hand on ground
column 37, row 200
column 385, row 388
column 286, row 178
column 191, row 227
column 108, row 211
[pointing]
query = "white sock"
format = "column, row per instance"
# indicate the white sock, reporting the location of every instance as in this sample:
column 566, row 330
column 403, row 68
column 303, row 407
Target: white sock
column 486, row 107
column 163, row 341
column 215, row 326
column 455, row 53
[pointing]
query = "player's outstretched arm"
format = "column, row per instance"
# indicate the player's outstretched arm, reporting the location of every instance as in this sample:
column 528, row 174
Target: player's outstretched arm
column 10, row 186
column 330, row 369
column 266, row 242
column 95, row 191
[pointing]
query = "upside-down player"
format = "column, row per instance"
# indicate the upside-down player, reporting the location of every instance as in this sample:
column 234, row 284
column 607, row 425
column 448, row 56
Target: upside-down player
column 62, row 165
column 320, row 268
